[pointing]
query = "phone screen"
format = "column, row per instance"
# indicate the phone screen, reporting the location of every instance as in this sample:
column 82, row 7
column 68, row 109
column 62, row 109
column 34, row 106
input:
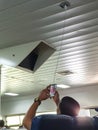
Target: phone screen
column 52, row 89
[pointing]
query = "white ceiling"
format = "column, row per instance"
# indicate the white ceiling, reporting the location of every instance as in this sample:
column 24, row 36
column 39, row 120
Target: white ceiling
column 72, row 32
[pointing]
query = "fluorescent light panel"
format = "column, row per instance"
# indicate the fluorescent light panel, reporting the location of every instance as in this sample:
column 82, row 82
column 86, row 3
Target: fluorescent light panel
column 62, row 86
column 11, row 94
column 0, row 117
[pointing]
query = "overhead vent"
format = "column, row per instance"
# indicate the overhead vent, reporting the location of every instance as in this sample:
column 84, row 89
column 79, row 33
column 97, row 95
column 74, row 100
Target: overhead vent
column 29, row 56
column 66, row 72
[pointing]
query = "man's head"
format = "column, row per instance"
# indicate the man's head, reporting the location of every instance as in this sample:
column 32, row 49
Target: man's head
column 1, row 123
column 69, row 106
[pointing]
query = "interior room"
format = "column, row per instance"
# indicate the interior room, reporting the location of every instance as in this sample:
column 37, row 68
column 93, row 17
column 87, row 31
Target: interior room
column 46, row 42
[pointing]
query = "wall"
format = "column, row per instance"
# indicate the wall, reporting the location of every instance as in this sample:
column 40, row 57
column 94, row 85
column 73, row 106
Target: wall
column 93, row 112
column 21, row 105
column 86, row 96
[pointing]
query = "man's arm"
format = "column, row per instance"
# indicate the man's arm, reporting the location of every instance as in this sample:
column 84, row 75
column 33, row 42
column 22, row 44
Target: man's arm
column 29, row 115
column 56, row 98
column 32, row 110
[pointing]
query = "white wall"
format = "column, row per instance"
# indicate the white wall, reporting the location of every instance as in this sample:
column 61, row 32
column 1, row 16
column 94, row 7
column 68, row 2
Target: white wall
column 86, row 96
column 21, row 105
column 93, row 112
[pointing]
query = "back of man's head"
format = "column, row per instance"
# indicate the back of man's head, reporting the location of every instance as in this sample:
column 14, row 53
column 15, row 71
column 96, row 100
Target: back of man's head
column 69, row 106
column 1, row 123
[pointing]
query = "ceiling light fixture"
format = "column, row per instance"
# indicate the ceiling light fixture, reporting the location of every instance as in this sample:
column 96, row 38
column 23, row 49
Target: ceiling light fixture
column 11, row 94
column 65, row 5
column 0, row 117
column 62, row 86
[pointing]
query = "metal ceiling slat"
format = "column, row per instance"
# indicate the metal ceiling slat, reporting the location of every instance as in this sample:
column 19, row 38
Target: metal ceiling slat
column 33, row 20
column 75, row 34
column 69, row 14
column 5, row 5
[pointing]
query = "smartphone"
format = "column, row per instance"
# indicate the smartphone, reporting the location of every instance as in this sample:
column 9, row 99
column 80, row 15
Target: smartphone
column 52, row 90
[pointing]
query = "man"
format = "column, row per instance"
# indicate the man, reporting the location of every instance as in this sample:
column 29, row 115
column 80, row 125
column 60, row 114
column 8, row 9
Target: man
column 2, row 125
column 67, row 106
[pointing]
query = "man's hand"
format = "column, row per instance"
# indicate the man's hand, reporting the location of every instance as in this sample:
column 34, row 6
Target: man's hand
column 44, row 94
column 56, row 98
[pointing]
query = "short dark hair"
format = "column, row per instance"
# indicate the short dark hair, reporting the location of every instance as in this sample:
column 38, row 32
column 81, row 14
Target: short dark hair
column 1, row 123
column 69, row 106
